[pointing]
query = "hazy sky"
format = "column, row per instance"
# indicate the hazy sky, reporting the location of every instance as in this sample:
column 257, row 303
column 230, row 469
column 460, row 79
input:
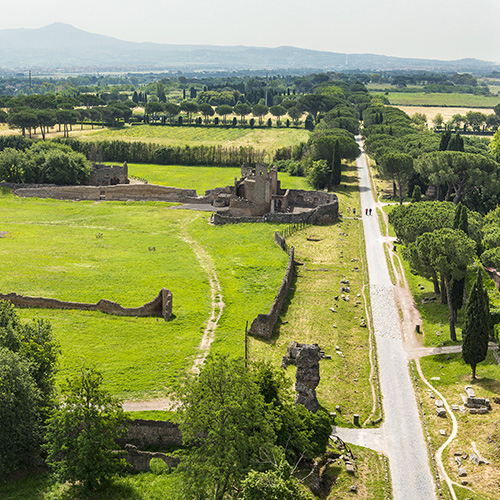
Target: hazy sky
column 433, row 29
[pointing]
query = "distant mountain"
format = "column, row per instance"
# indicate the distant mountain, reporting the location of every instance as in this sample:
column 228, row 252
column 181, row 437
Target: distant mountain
column 64, row 47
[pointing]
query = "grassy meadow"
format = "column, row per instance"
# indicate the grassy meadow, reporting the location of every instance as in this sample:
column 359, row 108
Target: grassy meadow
column 447, row 112
column 86, row 251
column 442, row 99
column 201, row 178
column 451, row 375
column 260, row 138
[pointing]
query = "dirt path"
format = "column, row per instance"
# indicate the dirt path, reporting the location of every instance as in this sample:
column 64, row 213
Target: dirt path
column 217, row 302
column 216, row 309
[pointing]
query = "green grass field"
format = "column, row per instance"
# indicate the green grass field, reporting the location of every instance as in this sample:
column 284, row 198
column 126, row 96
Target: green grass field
column 51, row 249
column 260, row 138
column 201, row 178
column 425, row 99
column 452, row 376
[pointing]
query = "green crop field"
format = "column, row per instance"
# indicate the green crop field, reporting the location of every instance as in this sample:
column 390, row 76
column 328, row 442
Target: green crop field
column 86, row 251
column 261, row 138
column 201, row 178
column 435, row 99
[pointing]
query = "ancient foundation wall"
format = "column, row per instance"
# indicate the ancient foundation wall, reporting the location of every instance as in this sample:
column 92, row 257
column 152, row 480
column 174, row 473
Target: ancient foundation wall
column 310, row 199
column 263, row 324
column 160, row 306
column 119, row 192
column 146, row 433
column 322, row 215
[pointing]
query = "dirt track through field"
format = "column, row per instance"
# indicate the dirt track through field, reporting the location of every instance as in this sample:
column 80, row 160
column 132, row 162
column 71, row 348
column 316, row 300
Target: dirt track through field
column 216, row 309
column 217, row 302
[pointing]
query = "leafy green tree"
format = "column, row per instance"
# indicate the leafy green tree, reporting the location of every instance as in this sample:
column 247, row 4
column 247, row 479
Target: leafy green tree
column 276, row 484
column 224, row 110
column 277, row 111
column 224, row 416
column 189, row 107
column 477, row 327
column 64, row 168
column 319, row 174
column 448, row 252
column 438, row 121
column 83, row 431
column 295, row 113
column 494, row 146
column 398, row 167
column 242, row 110
column 260, row 110
column 20, row 421
column 323, row 147
column 207, row 111
column 460, row 172
column 172, row 110
column 13, row 165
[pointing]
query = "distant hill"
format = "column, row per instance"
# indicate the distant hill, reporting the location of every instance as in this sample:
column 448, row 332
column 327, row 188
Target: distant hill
column 64, row 47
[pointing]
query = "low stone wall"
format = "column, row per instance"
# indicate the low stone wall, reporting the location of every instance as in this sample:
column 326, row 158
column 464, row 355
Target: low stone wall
column 147, row 433
column 310, row 199
column 161, row 305
column 263, row 324
column 322, row 215
column 119, row 192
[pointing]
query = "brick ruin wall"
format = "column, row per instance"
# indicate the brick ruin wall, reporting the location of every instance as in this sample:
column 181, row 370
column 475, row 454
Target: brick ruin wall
column 160, row 306
column 263, row 324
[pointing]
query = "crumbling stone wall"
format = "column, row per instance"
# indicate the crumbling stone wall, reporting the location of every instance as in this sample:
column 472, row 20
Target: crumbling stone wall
column 161, row 305
column 306, row 358
column 319, row 216
column 152, row 433
column 263, row 324
column 120, row 192
column 140, row 460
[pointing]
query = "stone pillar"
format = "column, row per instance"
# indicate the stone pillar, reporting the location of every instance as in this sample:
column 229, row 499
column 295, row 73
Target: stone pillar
column 306, row 358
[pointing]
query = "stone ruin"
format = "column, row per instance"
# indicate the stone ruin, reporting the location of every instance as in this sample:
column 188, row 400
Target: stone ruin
column 475, row 405
column 258, row 193
column 108, row 175
column 160, row 306
column 306, row 358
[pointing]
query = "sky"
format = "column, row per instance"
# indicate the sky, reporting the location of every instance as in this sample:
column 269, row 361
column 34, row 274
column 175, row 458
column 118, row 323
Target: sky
column 430, row 29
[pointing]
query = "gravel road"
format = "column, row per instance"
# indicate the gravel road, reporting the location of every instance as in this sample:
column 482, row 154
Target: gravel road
column 401, row 437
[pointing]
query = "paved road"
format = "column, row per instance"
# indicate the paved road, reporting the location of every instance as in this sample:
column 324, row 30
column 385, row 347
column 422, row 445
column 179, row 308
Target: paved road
column 401, row 437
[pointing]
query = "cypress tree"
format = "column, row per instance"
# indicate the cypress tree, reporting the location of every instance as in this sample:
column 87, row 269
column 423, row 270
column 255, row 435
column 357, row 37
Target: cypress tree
column 477, row 326
column 445, row 139
column 417, row 194
column 337, row 165
column 456, row 143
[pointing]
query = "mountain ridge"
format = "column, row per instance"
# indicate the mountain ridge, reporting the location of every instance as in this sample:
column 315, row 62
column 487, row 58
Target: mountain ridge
column 60, row 45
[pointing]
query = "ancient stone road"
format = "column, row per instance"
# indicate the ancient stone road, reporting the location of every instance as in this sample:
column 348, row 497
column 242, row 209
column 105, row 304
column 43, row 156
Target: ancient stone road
column 401, row 437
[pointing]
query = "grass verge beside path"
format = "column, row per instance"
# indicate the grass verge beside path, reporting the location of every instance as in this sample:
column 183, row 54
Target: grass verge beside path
column 481, row 431
column 329, row 255
column 201, row 178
